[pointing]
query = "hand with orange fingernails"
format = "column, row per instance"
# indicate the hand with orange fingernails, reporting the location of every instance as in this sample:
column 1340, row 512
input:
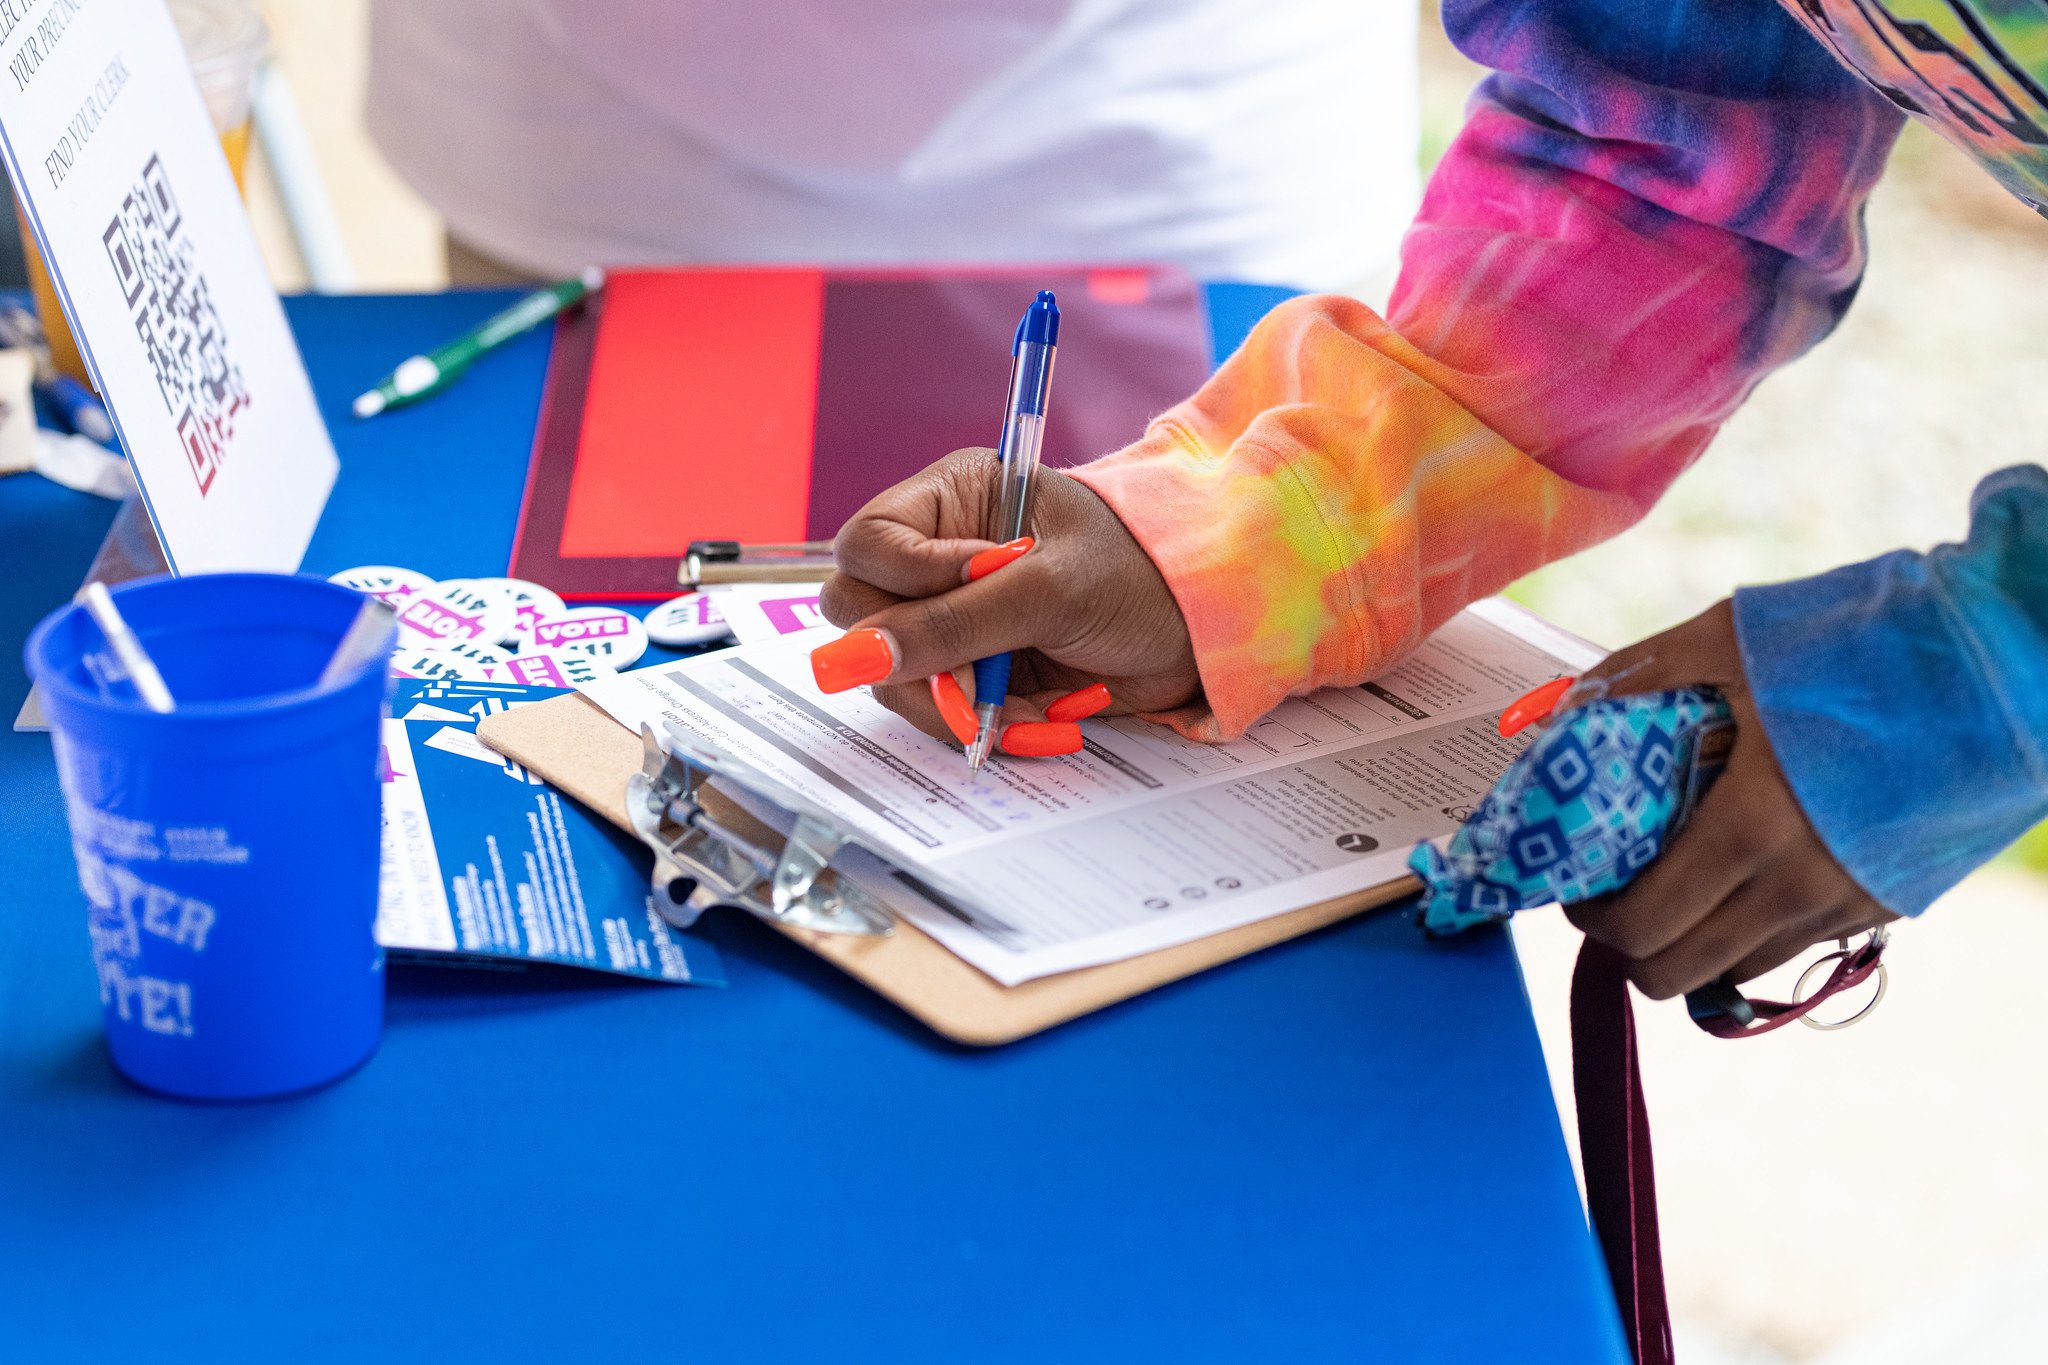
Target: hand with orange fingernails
column 1748, row 883
column 1089, row 621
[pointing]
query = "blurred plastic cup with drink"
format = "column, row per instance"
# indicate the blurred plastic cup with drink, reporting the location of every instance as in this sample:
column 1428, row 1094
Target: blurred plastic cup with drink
column 228, row 848
column 226, row 42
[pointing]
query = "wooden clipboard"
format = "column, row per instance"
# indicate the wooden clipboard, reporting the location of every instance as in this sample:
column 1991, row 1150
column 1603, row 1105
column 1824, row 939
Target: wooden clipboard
column 584, row 752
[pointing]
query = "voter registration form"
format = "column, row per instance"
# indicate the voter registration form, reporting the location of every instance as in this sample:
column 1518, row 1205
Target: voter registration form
column 1142, row 840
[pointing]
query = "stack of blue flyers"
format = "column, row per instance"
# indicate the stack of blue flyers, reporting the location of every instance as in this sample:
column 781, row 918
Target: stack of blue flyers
column 487, row 863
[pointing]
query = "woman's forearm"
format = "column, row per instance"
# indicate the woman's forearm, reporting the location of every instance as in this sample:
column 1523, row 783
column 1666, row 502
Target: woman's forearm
column 1650, row 208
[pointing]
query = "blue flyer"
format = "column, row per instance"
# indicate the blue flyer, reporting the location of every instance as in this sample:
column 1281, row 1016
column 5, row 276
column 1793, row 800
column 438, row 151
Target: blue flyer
column 485, row 861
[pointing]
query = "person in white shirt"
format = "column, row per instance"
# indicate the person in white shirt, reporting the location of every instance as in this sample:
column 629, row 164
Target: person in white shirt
column 1270, row 142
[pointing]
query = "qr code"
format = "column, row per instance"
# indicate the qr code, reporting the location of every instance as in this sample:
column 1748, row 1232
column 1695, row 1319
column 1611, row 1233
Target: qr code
column 174, row 317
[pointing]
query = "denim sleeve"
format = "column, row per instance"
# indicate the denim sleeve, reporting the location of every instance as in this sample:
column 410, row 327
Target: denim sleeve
column 1907, row 697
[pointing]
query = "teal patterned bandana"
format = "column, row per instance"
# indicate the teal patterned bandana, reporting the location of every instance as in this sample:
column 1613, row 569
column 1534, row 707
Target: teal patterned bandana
column 1584, row 809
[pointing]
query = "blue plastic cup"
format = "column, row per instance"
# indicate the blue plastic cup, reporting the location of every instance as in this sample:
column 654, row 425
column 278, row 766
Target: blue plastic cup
column 228, row 849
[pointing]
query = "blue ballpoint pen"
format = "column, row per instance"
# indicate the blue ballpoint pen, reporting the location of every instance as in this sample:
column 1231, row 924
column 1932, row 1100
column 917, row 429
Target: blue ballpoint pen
column 75, row 404
column 1031, row 357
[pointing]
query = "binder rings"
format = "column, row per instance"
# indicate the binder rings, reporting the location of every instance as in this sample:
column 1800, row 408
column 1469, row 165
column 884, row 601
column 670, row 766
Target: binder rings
column 583, row 752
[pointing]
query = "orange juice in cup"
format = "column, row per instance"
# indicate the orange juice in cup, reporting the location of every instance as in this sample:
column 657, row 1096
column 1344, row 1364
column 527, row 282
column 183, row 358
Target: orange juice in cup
column 225, row 40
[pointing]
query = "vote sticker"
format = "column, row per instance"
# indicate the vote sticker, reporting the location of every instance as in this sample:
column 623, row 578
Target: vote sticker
column 392, row 586
column 454, row 613
column 551, row 670
column 439, row 664
column 530, row 602
column 692, row 619
column 603, row 633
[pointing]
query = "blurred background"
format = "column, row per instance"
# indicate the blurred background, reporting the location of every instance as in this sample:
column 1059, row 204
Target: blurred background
column 1871, row 1196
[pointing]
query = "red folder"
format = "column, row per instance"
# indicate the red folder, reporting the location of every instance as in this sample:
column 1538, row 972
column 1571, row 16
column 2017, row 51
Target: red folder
column 770, row 404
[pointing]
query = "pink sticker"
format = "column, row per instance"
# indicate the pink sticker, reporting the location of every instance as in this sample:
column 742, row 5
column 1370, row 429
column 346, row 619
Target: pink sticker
column 791, row 614
column 535, row 670
column 438, row 622
column 553, row 634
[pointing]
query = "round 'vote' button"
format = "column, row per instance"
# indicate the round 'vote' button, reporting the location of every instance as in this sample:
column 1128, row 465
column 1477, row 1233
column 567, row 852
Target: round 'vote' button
column 392, row 586
column 692, row 619
column 604, row 633
column 438, row 664
column 550, row 670
column 530, row 602
column 455, row 613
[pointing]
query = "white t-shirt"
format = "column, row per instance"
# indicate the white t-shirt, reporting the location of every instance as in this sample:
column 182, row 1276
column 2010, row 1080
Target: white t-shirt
column 1265, row 140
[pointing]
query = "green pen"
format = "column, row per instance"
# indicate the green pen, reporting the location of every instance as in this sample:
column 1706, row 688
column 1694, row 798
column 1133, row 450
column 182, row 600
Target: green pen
column 430, row 373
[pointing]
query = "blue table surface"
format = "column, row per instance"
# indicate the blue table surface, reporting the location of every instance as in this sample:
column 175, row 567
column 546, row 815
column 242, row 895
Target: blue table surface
column 1341, row 1148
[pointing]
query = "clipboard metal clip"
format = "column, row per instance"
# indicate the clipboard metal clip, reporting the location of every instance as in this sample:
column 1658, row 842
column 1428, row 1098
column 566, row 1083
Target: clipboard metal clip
column 700, row 862
column 711, row 562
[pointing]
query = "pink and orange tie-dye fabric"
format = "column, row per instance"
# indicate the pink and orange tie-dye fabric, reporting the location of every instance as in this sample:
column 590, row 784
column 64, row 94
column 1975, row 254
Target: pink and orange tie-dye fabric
column 1323, row 503
column 1649, row 209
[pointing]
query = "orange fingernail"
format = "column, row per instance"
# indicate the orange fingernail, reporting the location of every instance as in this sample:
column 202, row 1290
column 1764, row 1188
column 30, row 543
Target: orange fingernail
column 1079, row 705
column 993, row 558
column 953, row 707
column 857, row 657
column 1526, row 710
column 1041, row 738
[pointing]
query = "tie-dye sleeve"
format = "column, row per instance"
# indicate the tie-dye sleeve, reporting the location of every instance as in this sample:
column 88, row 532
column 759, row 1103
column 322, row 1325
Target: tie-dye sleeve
column 1650, row 207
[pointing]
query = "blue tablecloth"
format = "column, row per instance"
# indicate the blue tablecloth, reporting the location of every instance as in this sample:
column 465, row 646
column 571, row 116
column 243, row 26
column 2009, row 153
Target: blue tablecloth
column 1343, row 1148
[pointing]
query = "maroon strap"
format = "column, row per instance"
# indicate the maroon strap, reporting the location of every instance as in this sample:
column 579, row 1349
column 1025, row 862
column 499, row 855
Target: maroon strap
column 1852, row 967
column 1614, row 1144
column 1614, row 1127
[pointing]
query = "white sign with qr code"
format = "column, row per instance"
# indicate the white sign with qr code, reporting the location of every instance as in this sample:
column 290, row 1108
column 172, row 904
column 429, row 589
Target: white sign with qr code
column 118, row 168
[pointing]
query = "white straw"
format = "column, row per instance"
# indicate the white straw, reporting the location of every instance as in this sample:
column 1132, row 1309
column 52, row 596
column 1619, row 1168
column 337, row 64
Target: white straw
column 362, row 641
column 140, row 667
